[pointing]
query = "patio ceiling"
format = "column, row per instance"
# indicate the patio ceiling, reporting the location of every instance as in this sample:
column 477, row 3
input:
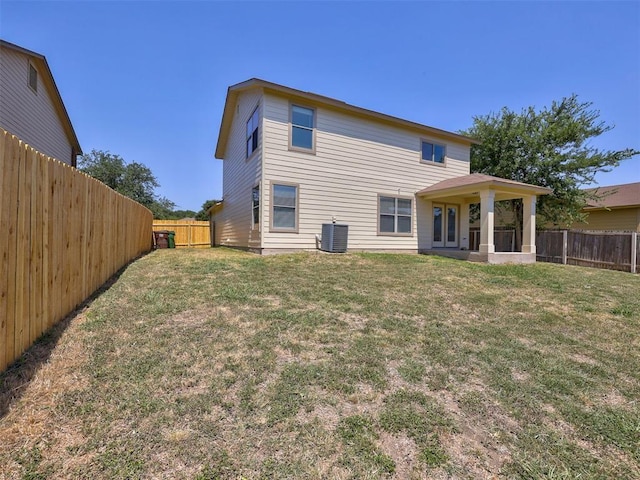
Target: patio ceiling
column 466, row 189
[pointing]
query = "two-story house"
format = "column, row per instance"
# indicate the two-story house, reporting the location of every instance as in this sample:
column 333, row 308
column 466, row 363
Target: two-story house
column 31, row 107
column 295, row 160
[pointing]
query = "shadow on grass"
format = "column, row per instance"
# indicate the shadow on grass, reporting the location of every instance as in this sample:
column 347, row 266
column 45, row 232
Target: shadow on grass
column 16, row 378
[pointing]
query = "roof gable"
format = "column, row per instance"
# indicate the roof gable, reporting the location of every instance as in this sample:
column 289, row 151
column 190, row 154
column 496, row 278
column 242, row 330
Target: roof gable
column 324, row 102
column 47, row 78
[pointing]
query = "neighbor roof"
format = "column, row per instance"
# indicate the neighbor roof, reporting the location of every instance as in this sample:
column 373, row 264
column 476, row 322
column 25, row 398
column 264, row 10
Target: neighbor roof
column 47, row 77
column 615, row 196
column 326, row 102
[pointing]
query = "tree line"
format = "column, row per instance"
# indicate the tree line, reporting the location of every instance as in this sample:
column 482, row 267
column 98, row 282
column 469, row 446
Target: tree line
column 136, row 181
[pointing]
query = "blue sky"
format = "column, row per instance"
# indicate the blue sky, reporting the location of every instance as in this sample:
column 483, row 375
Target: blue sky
column 147, row 80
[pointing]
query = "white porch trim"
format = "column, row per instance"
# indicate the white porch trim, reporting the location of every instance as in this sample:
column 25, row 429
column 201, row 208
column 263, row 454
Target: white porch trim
column 486, row 190
column 487, row 209
column 529, row 224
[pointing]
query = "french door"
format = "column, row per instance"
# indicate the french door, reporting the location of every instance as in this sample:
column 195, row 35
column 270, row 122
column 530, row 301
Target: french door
column 445, row 225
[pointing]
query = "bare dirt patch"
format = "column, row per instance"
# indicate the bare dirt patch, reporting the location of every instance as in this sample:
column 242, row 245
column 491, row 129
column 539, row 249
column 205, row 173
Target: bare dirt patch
column 613, row 398
column 520, row 376
column 473, row 446
column 581, row 358
column 402, row 450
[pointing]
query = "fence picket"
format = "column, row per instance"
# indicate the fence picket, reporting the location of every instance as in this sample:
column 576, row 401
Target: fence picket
column 189, row 233
column 63, row 235
column 8, row 223
column 610, row 250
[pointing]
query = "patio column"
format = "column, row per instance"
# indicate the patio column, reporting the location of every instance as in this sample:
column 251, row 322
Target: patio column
column 529, row 224
column 464, row 226
column 487, row 205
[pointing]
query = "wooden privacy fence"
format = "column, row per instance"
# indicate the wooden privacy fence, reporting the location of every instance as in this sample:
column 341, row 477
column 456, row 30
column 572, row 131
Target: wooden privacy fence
column 611, row 250
column 63, row 234
column 189, row 233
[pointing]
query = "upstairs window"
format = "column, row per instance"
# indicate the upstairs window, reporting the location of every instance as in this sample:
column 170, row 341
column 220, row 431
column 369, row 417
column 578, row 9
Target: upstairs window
column 33, row 78
column 395, row 216
column 302, row 127
column 252, row 133
column 433, row 153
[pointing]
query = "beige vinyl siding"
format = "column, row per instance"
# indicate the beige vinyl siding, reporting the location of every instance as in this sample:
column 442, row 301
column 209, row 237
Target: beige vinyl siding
column 234, row 222
column 355, row 161
column 616, row 219
column 30, row 116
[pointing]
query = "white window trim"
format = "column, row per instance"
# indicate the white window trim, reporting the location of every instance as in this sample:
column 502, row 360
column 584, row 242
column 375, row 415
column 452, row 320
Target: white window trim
column 395, row 234
column 32, row 66
column 434, row 143
column 274, row 229
column 258, row 128
column 254, row 225
column 292, row 147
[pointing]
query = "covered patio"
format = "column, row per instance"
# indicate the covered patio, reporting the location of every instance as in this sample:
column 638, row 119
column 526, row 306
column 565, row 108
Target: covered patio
column 448, row 209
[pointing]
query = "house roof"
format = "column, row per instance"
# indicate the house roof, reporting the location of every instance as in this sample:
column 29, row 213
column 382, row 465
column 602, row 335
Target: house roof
column 326, row 102
column 47, row 77
column 215, row 206
column 470, row 185
column 615, row 196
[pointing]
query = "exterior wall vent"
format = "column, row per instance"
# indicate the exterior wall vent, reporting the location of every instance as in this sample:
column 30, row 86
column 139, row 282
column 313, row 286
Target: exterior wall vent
column 334, row 237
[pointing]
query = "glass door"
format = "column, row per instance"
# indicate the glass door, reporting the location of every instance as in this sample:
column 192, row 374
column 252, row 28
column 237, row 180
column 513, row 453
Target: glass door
column 445, row 226
column 452, row 226
column 438, row 226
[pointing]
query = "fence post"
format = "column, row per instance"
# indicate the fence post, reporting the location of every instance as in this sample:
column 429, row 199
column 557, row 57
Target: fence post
column 565, row 243
column 634, row 251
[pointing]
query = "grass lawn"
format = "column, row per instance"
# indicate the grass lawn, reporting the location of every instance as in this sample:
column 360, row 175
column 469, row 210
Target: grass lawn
column 209, row 364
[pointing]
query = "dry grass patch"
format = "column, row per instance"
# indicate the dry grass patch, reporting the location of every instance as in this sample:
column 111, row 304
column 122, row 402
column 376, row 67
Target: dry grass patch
column 216, row 364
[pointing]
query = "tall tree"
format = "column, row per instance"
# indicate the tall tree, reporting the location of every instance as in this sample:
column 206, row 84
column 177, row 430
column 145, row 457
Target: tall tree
column 549, row 148
column 134, row 180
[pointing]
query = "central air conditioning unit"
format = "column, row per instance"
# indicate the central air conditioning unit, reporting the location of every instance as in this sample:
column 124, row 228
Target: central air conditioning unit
column 334, row 237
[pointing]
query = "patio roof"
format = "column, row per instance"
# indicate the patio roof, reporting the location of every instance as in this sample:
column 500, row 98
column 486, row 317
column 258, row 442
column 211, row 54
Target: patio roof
column 468, row 188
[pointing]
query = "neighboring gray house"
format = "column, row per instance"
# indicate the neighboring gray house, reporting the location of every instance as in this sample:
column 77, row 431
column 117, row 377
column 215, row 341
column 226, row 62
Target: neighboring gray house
column 31, row 107
column 294, row 160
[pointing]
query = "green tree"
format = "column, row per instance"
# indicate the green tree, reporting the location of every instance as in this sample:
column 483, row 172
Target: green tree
column 134, row 180
column 178, row 214
column 202, row 214
column 162, row 209
column 550, row 148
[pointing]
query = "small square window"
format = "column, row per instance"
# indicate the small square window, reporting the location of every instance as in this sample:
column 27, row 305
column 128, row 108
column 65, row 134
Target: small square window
column 432, row 152
column 33, row 78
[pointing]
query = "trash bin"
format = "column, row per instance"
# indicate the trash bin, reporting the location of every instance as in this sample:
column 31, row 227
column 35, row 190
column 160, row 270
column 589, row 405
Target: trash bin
column 161, row 239
column 172, row 239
